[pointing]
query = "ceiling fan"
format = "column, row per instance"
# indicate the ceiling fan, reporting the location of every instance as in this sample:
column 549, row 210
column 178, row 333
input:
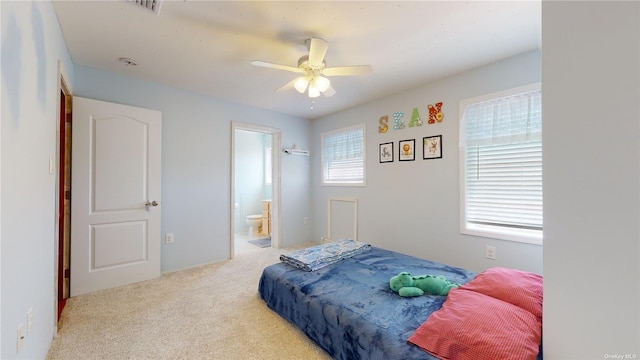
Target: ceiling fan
column 314, row 71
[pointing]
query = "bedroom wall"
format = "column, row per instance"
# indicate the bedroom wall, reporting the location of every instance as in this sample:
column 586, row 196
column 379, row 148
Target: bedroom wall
column 32, row 44
column 196, row 170
column 583, row 246
column 591, row 128
column 412, row 206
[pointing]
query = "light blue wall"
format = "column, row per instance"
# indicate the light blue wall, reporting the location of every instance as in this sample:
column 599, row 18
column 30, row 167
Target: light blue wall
column 592, row 194
column 413, row 206
column 196, row 163
column 591, row 152
column 32, row 44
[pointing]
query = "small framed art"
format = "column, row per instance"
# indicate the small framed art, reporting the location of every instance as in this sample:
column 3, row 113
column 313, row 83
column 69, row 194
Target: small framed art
column 407, row 150
column 432, row 147
column 386, row 152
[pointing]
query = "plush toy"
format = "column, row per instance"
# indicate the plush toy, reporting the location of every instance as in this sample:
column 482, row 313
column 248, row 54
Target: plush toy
column 407, row 285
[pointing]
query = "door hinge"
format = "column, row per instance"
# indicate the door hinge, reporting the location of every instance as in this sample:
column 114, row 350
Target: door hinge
column 67, row 195
column 67, row 273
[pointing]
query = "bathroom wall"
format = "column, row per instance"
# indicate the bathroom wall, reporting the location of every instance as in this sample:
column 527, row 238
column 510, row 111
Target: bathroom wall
column 250, row 185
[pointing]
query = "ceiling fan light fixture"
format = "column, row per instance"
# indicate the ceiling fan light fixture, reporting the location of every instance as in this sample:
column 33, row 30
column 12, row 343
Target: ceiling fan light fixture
column 322, row 83
column 313, row 91
column 301, row 84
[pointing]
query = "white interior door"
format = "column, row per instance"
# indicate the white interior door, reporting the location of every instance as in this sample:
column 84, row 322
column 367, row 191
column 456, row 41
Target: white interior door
column 115, row 202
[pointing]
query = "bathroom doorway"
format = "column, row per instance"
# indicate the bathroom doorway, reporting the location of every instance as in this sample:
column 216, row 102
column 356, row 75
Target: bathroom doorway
column 255, row 187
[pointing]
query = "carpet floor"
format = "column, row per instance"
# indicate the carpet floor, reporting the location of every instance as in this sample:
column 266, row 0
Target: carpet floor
column 206, row 312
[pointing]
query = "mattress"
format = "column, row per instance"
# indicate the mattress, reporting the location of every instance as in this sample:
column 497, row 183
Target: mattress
column 348, row 308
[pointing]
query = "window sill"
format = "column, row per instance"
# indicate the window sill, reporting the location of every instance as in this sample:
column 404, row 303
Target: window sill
column 494, row 232
column 344, row 184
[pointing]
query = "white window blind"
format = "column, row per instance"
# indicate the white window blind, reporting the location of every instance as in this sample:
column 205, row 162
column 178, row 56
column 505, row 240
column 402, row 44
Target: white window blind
column 502, row 167
column 343, row 156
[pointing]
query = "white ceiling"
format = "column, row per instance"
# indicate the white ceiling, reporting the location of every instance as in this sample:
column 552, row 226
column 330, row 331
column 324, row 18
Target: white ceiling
column 206, row 46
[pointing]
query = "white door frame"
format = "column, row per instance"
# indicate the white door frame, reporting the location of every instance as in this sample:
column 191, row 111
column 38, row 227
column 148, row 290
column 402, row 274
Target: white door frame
column 275, row 200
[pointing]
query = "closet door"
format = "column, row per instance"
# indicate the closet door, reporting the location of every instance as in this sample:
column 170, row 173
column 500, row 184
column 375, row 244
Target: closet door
column 115, row 202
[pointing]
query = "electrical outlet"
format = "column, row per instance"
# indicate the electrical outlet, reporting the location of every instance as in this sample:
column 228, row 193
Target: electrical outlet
column 20, row 336
column 29, row 321
column 490, row 252
column 168, row 239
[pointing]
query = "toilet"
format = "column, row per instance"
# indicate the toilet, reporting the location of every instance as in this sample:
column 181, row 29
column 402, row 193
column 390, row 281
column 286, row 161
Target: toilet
column 254, row 222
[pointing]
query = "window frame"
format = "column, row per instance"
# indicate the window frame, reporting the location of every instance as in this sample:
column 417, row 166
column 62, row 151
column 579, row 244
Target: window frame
column 520, row 235
column 323, row 182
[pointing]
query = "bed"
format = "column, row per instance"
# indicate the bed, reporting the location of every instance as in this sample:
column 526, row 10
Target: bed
column 348, row 309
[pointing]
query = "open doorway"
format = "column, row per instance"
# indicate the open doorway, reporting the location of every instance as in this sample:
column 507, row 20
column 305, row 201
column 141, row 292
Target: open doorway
column 255, row 187
column 63, row 192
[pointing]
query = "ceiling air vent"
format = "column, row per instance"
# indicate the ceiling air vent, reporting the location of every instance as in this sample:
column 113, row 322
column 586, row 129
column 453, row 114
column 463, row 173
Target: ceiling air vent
column 151, row 5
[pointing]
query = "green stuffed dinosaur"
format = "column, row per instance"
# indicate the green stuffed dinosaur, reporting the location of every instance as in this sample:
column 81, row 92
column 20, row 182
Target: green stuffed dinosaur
column 407, row 285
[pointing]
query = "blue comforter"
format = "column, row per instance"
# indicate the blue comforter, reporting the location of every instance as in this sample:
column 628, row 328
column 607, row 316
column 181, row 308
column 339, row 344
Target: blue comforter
column 348, row 308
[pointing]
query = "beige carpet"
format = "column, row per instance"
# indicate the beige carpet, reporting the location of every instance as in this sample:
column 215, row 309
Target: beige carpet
column 208, row 312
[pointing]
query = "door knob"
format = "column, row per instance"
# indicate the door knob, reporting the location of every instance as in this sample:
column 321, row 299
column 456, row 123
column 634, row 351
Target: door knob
column 153, row 203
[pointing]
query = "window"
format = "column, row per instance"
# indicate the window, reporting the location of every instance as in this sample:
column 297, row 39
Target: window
column 501, row 165
column 343, row 156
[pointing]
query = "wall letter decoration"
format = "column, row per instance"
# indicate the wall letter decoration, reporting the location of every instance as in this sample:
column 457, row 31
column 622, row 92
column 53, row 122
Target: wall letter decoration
column 398, row 123
column 384, row 121
column 435, row 113
column 415, row 118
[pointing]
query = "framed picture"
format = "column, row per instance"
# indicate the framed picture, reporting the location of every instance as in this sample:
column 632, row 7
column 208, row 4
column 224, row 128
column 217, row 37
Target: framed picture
column 386, row 152
column 432, row 147
column 407, row 150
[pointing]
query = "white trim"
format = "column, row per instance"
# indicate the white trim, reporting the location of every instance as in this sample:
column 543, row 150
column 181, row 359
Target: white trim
column 364, row 156
column 276, row 182
column 355, row 215
column 494, row 232
column 62, row 84
column 63, row 78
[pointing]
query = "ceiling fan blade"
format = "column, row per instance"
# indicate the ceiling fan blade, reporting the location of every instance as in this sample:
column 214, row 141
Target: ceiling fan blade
column 329, row 92
column 276, row 66
column 348, row 70
column 317, row 49
column 288, row 85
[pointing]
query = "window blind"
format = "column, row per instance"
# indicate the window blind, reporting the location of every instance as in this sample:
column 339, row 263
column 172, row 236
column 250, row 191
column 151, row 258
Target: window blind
column 503, row 162
column 343, row 156
column 504, row 185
